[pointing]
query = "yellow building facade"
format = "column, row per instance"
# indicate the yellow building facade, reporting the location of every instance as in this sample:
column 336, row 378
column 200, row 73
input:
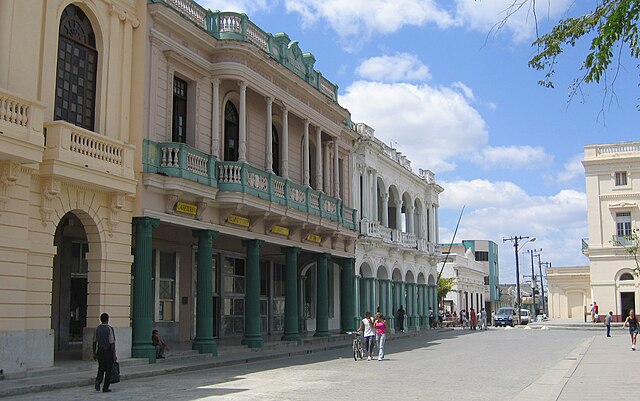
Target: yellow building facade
column 71, row 84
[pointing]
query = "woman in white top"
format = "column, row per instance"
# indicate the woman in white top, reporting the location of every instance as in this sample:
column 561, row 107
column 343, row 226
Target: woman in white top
column 369, row 334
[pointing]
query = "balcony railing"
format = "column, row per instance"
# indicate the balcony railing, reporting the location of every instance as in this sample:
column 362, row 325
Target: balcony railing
column 396, row 237
column 619, row 240
column 180, row 160
column 67, row 144
column 236, row 26
column 21, row 128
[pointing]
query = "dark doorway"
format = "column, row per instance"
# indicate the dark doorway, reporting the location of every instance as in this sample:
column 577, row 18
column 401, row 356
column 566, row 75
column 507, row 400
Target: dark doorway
column 627, row 301
column 69, row 295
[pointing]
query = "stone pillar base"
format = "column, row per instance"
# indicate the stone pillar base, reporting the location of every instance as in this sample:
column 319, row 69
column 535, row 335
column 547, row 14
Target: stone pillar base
column 322, row 334
column 144, row 351
column 253, row 342
column 292, row 337
column 205, row 347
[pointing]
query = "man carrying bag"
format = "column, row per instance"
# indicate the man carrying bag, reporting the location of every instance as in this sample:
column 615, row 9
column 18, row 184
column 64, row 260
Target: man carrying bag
column 104, row 350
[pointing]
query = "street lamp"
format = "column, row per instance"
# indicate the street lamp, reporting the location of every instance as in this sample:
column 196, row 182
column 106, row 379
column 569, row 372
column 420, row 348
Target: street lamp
column 534, row 283
column 516, row 239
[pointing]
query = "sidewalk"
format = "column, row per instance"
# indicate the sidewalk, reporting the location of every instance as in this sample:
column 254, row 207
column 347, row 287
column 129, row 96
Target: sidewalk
column 601, row 368
column 75, row 373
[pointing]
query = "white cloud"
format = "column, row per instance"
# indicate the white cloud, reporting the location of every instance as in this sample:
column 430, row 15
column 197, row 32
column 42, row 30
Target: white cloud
column 572, row 169
column 512, row 157
column 486, row 15
column 429, row 124
column 356, row 20
column 399, row 67
column 241, row 6
column 497, row 210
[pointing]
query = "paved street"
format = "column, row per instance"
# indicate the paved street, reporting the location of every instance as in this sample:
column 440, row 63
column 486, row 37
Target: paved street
column 500, row 364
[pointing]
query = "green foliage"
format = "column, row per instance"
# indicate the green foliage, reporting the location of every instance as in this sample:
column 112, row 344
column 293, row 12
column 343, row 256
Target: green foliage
column 445, row 284
column 612, row 25
column 632, row 248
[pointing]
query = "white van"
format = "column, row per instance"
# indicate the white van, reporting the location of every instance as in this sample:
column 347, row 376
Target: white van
column 525, row 316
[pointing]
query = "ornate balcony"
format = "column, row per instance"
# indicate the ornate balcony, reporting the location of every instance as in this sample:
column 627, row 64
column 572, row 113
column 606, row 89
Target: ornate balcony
column 180, row 160
column 21, row 137
column 75, row 154
column 396, row 237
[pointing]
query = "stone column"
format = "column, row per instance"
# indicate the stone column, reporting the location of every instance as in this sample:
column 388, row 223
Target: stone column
column 385, row 208
column 318, row 159
column 322, row 296
column 242, row 124
column 284, row 155
column 336, row 170
column 305, row 155
column 252, row 327
column 347, row 315
column 215, row 118
column 374, row 196
column 367, row 293
column 398, row 214
column 269, row 137
column 142, row 321
column 291, row 332
column 436, row 220
column 365, row 194
column 356, row 295
column 327, row 170
column 204, row 342
column 409, row 214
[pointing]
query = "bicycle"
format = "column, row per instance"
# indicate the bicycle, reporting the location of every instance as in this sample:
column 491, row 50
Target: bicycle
column 356, row 345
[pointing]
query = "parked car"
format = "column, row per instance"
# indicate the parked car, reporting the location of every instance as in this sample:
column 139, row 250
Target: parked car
column 525, row 316
column 505, row 317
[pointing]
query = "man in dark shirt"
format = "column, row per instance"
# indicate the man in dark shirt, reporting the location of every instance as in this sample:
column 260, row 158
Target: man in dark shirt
column 104, row 350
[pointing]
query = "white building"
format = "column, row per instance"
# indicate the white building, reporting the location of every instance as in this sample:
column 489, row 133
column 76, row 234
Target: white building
column 613, row 192
column 397, row 251
column 470, row 290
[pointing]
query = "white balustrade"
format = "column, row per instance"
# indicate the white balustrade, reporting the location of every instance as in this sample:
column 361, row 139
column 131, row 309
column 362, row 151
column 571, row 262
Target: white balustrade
column 230, row 23
column 191, row 10
column 257, row 181
column 258, row 37
column 230, row 173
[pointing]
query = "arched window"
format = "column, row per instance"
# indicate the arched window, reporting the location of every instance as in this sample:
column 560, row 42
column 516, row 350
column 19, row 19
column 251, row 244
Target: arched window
column 275, row 150
column 626, row 276
column 77, row 69
column 230, row 132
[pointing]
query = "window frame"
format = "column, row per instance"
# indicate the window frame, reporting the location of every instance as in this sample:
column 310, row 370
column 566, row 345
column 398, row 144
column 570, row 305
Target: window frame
column 618, row 178
column 179, row 102
column 155, row 283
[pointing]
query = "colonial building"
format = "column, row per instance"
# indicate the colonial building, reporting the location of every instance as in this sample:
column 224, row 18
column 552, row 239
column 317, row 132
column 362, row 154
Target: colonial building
column 569, row 291
column 470, row 275
column 397, row 251
column 71, row 87
column 245, row 224
column 613, row 193
column 485, row 252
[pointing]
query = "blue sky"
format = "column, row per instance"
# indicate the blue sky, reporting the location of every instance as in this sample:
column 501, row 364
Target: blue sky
column 432, row 80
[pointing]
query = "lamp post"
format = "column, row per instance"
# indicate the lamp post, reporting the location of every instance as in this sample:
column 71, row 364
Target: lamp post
column 534, row 282
column 516, row 240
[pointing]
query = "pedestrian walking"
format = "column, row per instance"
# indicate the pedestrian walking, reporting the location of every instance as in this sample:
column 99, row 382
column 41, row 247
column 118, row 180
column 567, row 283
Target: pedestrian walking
column 474, row 318
column 431, row 318
column 632, row 321
column 104, row 351
column 400, row 316
column 483, row 319
column 382, row 329
column 366, row 325
column 595, row 312
column 607, row 323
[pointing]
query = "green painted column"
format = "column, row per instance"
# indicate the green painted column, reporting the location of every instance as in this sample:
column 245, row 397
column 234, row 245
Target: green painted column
column 367, row 293
column 142, row 321
column 204, row 342
column 302, row 318
column 347, row 313
column 322, row 296
column 252, row 333
column 291, row 317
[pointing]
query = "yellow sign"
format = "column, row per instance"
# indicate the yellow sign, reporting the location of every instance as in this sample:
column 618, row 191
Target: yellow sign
column 186, row 208
column 238, row 220
column 314, row 238
column 280, row 230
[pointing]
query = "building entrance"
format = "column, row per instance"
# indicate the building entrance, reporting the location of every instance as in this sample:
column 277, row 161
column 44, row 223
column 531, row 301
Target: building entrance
column 627, row 302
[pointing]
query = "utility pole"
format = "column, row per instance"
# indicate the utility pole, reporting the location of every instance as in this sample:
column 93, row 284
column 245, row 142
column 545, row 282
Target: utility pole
column 534, row 282
column 515, row 240
column 546, row 265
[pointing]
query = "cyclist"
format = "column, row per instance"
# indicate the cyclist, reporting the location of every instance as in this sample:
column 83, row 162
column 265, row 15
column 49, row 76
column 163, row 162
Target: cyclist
column 369, row 334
